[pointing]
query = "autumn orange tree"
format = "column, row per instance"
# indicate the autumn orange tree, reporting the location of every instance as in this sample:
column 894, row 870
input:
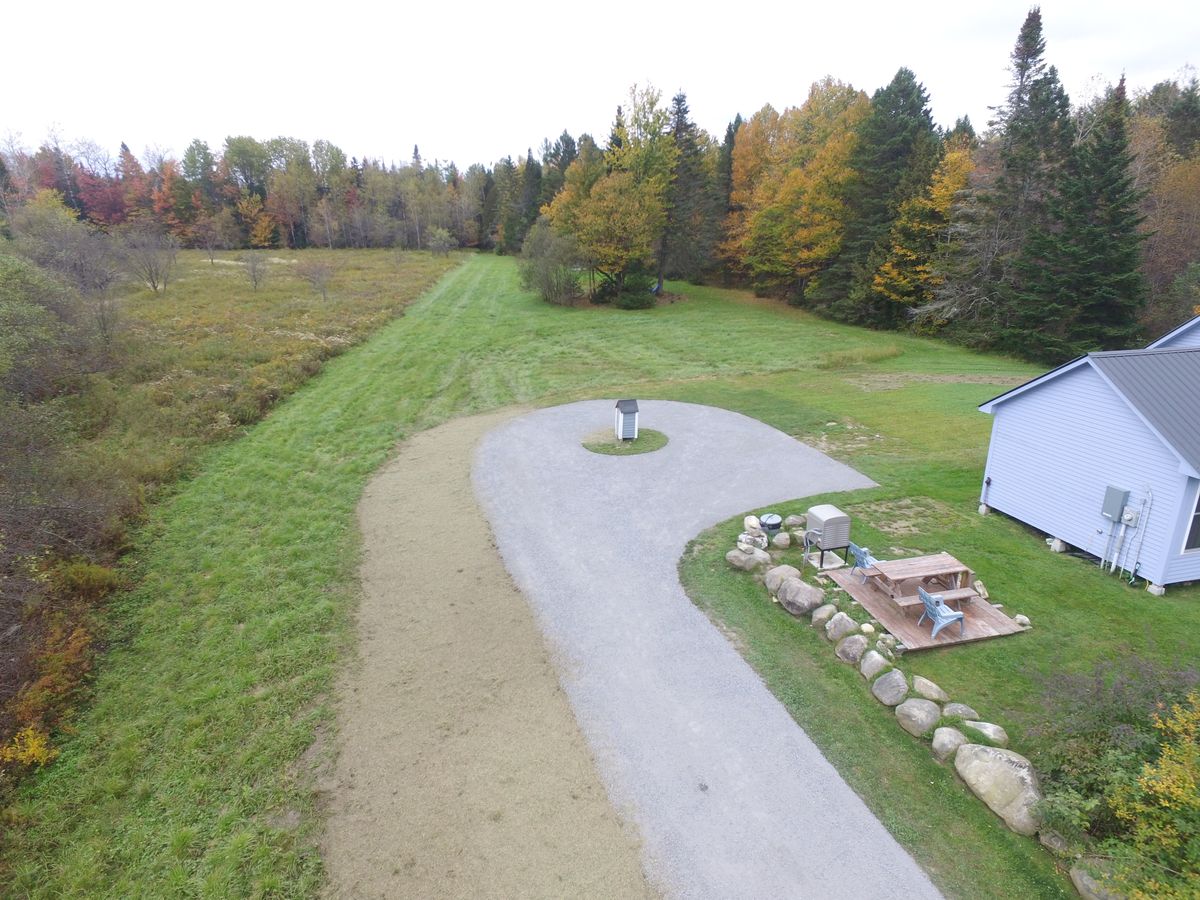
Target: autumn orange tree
column 788, row 176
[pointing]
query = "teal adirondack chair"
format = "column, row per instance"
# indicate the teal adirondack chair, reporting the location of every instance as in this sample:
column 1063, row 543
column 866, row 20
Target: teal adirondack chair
column 938, row 612
column 863, row 560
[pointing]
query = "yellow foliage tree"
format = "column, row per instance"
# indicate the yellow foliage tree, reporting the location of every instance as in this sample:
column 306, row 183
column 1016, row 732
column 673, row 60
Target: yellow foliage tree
column 1163, row 811
column 259, row 224
column 788, row 174
column 617, row 226
column 908, row 276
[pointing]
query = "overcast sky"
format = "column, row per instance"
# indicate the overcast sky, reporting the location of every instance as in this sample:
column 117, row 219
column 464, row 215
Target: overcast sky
column 473, row 82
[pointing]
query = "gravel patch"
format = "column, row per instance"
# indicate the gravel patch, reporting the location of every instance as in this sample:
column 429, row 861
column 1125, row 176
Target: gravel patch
column 730, row 796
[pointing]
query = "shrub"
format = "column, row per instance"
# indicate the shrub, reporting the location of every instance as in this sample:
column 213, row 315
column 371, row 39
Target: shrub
column 1099, row 732
column 440, row 241
column 83, row 581
column 1162, row 811
column 28, row 747
column 636, row 292
column 549, row 263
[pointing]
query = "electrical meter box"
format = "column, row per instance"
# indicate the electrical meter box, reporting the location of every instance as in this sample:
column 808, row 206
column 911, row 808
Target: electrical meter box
column 1115, row 501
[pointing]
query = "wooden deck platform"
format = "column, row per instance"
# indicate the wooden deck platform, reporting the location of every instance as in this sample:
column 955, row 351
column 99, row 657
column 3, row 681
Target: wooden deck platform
column 981, row 620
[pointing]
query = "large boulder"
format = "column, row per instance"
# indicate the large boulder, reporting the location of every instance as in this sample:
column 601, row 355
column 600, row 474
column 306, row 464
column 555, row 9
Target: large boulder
column 1005, row 781
column 748, row 561
column 822, row 614
column 923, row 687
column 1090, row 879
column 798, row 597
column 890, row 688
column 776, row 576
column 917, row 716
column 872, row 664
column 959, row 709
column 946, row 742
column 1054, row 842
column 993, row 733
column 839, row 626
column 852, row 648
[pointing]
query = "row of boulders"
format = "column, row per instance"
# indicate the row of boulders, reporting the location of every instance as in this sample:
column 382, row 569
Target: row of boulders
column 1001, row 778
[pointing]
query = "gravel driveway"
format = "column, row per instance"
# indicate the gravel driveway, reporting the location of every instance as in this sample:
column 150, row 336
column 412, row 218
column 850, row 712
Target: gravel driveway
column 731, row 797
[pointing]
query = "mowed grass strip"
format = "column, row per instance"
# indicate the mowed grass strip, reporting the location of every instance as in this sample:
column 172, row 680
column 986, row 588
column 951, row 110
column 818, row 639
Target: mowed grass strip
column 189, row 773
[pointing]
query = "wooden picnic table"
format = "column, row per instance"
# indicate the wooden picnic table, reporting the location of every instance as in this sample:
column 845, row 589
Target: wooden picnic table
column 894, row 576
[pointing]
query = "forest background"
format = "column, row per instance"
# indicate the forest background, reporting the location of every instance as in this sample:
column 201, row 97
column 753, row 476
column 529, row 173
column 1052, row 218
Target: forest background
column 1054, row 230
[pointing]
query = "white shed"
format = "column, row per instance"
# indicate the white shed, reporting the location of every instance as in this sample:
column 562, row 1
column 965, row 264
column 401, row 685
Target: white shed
column 625, row 420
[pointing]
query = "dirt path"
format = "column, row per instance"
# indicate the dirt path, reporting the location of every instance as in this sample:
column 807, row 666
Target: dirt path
column 461, row 771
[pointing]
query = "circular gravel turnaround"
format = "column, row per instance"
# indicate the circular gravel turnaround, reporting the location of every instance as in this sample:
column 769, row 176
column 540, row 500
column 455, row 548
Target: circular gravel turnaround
column 731, row 797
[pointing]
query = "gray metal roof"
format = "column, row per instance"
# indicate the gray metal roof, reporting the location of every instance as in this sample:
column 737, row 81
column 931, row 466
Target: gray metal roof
column 627, row 406
column 1164, row 387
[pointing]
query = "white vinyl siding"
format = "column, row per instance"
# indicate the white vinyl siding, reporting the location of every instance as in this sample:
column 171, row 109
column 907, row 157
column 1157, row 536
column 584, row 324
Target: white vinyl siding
column 1054, row 450
column 1187, row 337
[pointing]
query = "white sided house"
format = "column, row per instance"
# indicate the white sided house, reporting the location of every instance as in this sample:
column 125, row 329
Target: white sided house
column 1103, row 453
column 1186, row 335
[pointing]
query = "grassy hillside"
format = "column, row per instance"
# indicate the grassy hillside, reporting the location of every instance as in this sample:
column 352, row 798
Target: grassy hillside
column 188, row 775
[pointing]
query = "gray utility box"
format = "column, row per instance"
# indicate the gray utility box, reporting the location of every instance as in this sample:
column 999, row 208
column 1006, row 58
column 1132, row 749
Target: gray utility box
column 827, row 527
column 1115, row 501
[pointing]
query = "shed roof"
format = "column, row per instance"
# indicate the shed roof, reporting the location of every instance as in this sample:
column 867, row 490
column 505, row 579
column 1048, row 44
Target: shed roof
column 1171, row 335
column 627, row 406
column 1161, row 386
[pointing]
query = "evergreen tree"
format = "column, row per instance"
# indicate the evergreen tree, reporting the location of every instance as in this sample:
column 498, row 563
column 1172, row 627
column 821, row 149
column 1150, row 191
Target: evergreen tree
column 530, row 200
column 1080, row 288
column 895, row 155
column 618, row 136
column 979, row 289
column 692, row 215
column 1183, row 121
column 725, row 162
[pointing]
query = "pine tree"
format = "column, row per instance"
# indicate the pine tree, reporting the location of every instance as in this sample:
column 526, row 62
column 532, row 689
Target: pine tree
column 618, row 136
column 1080, row 288
column 693, row 216
column 725, row 161
column 893, row 159
column 980, row 289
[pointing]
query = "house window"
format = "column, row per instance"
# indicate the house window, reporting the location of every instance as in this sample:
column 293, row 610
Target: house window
column 1193, row 538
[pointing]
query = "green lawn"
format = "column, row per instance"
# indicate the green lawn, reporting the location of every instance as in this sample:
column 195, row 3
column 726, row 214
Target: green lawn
column 188, row 773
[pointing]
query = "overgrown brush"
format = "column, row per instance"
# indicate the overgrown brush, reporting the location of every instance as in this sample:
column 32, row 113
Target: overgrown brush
column 92, row 429
column 1100, row 730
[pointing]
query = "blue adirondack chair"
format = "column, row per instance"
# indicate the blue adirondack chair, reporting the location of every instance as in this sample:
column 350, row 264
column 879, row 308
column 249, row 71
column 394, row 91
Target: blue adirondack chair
column 938, row 612
column 863, row 560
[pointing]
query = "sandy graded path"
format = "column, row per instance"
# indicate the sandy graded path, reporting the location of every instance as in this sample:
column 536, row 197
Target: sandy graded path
column 461, row 771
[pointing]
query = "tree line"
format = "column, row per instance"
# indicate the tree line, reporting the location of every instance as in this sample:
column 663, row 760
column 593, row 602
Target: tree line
column 1057, row 230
